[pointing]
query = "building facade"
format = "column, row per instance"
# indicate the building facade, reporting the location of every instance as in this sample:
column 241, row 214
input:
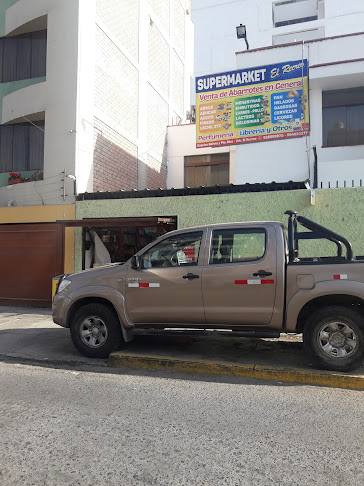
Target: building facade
column 87, row 90
column 336, row 113
column 326, row 34
column 268, row 23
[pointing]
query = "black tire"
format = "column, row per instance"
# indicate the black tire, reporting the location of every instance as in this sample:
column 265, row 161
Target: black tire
column 334, row 338
column 95, row 331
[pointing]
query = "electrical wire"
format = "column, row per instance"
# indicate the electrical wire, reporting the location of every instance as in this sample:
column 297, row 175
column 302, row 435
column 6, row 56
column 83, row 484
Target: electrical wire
column 218, row 5
column 29, row 121
column 44, row 184
column 36, row 190
column 26, row 195
column 27, row 201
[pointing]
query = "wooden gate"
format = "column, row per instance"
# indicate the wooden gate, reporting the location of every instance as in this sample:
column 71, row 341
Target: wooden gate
column 30, row 255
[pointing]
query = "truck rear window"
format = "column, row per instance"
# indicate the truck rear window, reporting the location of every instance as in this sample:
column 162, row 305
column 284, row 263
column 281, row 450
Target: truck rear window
column 237, row 245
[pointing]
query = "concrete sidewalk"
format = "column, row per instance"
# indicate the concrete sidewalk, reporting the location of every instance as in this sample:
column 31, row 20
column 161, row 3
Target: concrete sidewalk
column 30, row 334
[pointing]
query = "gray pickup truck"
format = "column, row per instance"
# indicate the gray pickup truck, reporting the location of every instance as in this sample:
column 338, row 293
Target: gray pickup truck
column 246, row 277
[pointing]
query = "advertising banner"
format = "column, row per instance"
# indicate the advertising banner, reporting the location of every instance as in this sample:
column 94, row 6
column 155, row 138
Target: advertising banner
column 252, row 105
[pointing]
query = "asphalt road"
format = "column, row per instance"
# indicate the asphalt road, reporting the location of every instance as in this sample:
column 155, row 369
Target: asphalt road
column 64, row 427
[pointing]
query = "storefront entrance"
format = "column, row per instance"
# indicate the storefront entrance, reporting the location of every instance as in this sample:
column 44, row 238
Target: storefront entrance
column 111, row 240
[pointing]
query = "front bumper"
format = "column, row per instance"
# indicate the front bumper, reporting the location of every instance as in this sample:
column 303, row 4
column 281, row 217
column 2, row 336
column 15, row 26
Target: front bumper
column 60, row 306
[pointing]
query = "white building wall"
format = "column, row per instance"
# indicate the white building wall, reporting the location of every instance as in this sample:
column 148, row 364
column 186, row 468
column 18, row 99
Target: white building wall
column 137, row 53
column 84, row 137
column 57, row 97
column 215, row 27
column 343, row 17
column 279, row 160
column 154, row 90
column 284, row 160
column 215, row 48
column 182, row 143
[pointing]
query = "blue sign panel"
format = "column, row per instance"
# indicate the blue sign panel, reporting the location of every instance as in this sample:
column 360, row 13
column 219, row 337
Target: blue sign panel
column 245, row 77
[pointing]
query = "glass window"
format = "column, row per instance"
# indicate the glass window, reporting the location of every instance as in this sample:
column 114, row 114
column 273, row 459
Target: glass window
column 296, row 21
column 23, row 56
column 39, row 54
column 343, row 117
column 174, row 251
column 355, row 125
column 240, row 245
column 1, row 58
column 9, row 60
column 36, row 146
column 207, row 170
column 286, row 2
column 6, row 148
column 21, row 146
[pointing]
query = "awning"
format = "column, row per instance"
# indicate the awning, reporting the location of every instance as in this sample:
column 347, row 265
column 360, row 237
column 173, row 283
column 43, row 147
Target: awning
column 126, row 222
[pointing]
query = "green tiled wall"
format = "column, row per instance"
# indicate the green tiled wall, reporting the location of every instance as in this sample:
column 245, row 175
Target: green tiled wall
column 341, row 210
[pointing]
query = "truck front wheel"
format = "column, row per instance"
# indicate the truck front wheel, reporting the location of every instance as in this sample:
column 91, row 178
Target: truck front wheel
column 334, row 338
column 95, row 331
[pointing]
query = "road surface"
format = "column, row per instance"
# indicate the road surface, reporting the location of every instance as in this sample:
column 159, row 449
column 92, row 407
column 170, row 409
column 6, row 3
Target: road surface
column 65, row 427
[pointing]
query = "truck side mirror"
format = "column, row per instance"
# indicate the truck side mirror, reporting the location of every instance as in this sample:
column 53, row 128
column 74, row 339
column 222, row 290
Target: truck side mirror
column 135, row 262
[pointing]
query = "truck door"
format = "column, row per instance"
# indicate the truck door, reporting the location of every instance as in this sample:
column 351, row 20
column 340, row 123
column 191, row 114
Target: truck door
column 167, row 289
column 239, row 281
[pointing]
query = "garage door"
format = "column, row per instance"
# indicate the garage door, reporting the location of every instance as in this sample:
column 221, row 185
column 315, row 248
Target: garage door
column 30, row 255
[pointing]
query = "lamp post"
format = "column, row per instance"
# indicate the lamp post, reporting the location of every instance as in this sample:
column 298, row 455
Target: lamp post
column 241, row 34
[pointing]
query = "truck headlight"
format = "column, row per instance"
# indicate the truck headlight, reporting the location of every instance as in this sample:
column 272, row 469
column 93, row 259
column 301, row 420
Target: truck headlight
column 63, row 284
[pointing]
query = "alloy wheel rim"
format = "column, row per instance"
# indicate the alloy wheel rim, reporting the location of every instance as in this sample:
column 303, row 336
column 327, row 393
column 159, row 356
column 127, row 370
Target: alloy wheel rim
column 337, row 340
column 93, row 331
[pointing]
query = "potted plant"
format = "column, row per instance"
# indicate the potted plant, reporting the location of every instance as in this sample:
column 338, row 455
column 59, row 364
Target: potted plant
column 14, row 178
column 37, row 176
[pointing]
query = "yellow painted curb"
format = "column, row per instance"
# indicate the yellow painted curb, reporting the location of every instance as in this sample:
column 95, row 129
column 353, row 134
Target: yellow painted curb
column 310, row 377
column 293, row 375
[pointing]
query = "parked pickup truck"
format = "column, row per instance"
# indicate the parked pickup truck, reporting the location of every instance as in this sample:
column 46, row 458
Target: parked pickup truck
column 247, row 277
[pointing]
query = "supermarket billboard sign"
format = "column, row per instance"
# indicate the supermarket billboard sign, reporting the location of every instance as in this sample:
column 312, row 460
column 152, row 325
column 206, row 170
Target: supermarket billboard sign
column 252, row 105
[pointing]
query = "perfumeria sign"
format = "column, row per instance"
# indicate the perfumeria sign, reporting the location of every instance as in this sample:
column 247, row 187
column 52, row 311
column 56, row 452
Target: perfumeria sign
column 252, row 105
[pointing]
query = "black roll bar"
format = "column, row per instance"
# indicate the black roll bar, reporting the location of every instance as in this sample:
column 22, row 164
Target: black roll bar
column 319, row 232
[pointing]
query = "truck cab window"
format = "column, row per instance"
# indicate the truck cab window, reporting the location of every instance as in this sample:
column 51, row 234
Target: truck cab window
column 233, row 246
column 174, row 251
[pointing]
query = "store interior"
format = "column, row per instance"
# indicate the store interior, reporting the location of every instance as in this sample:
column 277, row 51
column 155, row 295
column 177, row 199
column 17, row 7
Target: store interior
column 118, row 242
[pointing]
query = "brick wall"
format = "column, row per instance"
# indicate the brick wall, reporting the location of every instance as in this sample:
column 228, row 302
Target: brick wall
column 121, row 18
column 117, row 91
column 161, row 8
column 157, row 119
column 115, row 160
column 158, row 59
column 156, row 158
column 177, row 82
column 178, row 32
column 156, row 173
column 116, row 85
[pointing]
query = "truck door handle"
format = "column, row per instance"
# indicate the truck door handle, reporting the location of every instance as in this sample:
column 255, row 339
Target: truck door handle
column 190, row 276
column 262, row 273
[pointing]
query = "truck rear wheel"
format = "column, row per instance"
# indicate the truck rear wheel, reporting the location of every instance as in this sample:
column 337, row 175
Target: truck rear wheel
column 334, row 338
column 96, row 331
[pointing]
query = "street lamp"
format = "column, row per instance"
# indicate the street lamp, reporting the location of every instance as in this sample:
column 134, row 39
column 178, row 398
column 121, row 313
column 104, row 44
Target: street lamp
column 241, row 34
